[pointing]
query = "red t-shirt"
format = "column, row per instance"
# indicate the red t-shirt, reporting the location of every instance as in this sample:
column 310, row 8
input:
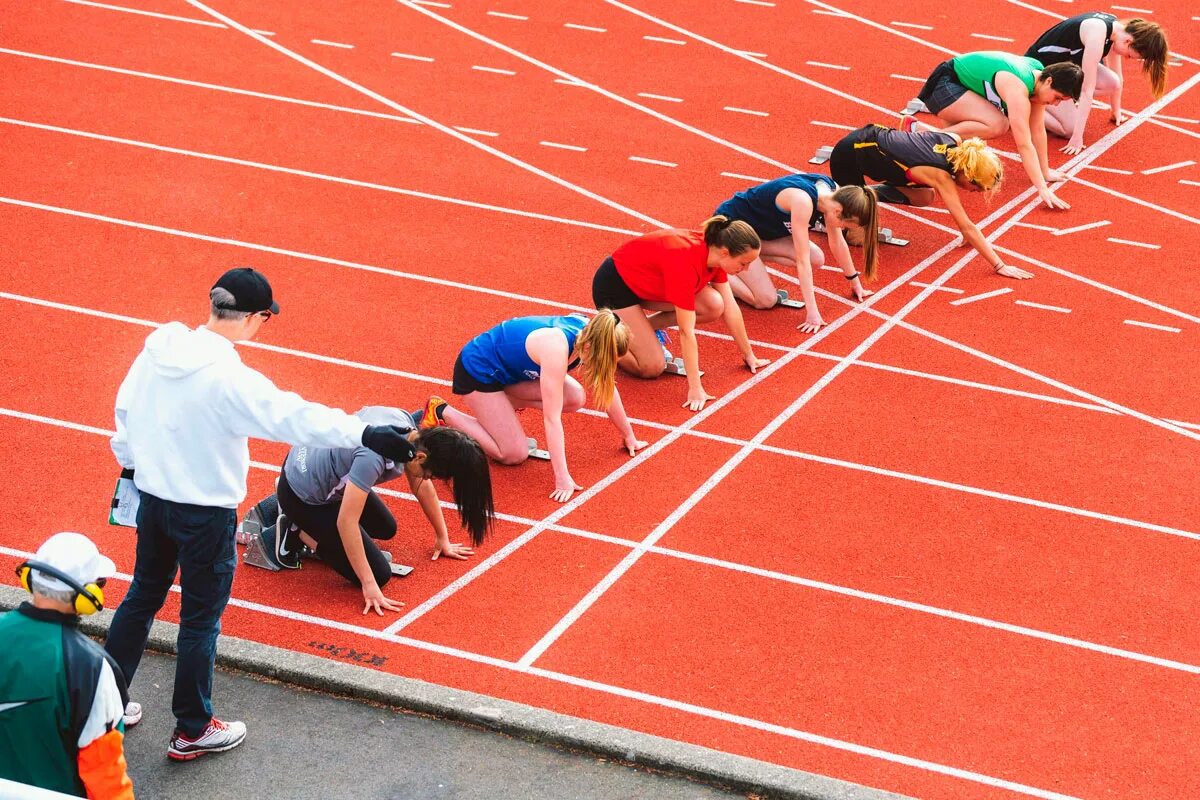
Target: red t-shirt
column 668, row 266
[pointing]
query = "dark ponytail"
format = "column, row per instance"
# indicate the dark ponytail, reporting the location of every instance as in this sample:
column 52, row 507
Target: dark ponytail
column 860, row 204
column 455, row 457
column 734, row 235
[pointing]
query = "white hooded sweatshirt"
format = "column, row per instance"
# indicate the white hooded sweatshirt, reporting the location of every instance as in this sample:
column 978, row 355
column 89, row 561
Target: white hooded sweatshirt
column 187, row 406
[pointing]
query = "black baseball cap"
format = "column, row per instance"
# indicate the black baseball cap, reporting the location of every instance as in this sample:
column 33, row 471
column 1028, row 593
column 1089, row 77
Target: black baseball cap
column 250, row 289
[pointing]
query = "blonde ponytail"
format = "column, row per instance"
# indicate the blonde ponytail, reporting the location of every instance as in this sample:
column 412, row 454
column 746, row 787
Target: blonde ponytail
column 600, row 344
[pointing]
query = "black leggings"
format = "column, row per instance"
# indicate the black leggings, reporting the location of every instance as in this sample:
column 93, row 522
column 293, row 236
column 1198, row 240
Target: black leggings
column 320, row 522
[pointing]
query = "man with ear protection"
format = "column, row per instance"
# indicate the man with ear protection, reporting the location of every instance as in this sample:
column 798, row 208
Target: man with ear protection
column 61, row 696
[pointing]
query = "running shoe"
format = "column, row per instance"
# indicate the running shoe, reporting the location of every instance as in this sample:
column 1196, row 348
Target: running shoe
column 907, row 122
column 217, row 738
column 269, row 548
column 133, row 714
column 431, row 416
column 287, row 542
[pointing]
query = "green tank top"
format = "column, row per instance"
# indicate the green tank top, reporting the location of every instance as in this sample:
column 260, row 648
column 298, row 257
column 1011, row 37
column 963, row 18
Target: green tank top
column 977, row 72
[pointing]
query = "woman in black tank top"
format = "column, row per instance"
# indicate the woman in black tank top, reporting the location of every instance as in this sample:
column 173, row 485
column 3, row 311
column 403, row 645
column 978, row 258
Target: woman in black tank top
column 1098, row 43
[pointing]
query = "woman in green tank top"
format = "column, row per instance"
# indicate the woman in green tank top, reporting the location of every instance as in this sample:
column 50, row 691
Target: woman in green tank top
column 985, row 94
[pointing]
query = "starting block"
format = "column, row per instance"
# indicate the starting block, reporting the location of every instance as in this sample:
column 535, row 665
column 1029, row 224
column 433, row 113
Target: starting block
column 914, row 106
column 784, row 300
column 255, row 553
column 535, row 451
column 885, row 236
column 822, row 155
column 675, row 364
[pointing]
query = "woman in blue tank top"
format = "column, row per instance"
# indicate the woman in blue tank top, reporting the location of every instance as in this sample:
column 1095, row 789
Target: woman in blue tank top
column 523, row 363
column 781, row 211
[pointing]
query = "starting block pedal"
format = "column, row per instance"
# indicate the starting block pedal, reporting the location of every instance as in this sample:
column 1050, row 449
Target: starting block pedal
column 255, row 553
column 885, row 236
column 784, row 300
column 400, row 570
column 675, row 364
column 823, row 154
column 818, row 227
column 914, row 106
column 535, row 451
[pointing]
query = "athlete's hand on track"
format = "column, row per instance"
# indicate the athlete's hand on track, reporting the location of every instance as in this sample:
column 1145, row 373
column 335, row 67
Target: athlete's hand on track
column 754, row 362
column 697, row 398
column 1054, row 176
column 564, row 489
column 1117, row 117
column 1051, row 200
column 860, row 293
column 633, row 444
column 812, row 322
column 1074, row 146
column 451, row 550
column 373, row 598
column 1009, row 271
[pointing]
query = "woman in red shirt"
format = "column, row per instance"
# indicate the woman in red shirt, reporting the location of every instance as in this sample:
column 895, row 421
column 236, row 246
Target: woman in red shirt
column 682, row 277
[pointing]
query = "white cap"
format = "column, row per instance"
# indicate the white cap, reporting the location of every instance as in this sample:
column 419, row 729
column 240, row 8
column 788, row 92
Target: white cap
column 75, row 555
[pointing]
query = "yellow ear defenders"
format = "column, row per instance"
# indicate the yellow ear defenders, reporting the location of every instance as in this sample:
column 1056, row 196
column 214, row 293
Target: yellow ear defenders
column 88, row 598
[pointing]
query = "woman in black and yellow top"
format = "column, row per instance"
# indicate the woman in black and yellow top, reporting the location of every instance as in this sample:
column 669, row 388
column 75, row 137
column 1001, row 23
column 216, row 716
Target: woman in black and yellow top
column 913, row 167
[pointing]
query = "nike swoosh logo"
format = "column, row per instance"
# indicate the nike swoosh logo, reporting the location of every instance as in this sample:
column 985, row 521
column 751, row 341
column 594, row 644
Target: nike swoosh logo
column 283, row 551
column 10, row 706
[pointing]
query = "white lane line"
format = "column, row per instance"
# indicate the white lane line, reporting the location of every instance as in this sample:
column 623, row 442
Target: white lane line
column 1137, row 200
column 1042, row 306
column 653, row 161
column 328, row 43
column 446, row 129
column 578, row 27
column 1111, row 170
column 756, row 3
column 505, row 15
column 900, row 77
column 1186, row 182
column 411, row 57
column 211, row 86
column 569, row 82
column 1080, row 228
column 989, row 37
column 827, row 66
column 432, row 3
column 663, row 39
column 739, row 176
column 1135, row 244
column 495, row 70
column 205, row 22
column 1036, row 227
column 264, row 33
column 561, row 146
column 984, row 296
column 1163, row 124
column 315, row 176
column 915, row 25
column 475, row 131
column 750, row 53
column 1184, row 120
column 1132, row 9
column 832, row 125
column 747, row 111
column 936, row 288
column 1151, row 325
column 1176, row 165
column 663, row 97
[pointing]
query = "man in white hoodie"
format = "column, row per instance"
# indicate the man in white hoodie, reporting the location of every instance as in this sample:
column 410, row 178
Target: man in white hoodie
column 184, row 414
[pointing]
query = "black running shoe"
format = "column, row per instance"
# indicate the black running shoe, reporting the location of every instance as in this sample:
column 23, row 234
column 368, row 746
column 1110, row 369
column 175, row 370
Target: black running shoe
column 287, row 543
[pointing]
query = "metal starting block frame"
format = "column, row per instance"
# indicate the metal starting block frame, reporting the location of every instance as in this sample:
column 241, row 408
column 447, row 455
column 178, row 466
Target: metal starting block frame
column 886, row 236
column 784, row 300
column 675, row 364
column 535, row 451
column 823, row 154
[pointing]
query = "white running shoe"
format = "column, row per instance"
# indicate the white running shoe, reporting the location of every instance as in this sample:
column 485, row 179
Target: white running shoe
column 133, row 714
column 217, row 738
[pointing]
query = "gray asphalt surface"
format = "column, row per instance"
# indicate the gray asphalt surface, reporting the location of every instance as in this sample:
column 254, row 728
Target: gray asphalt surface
column 302, row 744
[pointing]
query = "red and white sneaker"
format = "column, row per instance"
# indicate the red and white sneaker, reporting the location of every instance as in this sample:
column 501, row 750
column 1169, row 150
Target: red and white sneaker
column 217, row 738
column 430, row 418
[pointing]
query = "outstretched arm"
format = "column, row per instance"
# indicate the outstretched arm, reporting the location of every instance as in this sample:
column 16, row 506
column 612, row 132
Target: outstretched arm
column 616, row 415
column 799, row 205
column 944, row 185
column 1092, row 34
column 1023, row 118
column 737, row 328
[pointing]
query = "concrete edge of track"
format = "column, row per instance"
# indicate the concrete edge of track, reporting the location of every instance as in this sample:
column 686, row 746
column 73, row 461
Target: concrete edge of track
column 514, row 719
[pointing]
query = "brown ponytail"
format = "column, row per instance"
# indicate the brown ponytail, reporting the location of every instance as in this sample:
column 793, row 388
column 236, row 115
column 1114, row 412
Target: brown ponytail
column 734, row 235
column 860, row 204
column 1150, row 42
column 601, row 342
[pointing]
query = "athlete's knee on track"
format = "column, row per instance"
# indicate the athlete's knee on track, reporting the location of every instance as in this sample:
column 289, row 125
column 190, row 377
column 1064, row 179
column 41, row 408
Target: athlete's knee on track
column 512, row 455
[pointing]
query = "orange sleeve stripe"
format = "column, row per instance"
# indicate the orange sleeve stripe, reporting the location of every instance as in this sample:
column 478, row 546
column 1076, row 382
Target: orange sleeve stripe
column 102, row 768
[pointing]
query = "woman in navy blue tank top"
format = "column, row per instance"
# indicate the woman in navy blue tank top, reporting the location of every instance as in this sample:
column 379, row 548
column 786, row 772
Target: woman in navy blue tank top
column 523, row 363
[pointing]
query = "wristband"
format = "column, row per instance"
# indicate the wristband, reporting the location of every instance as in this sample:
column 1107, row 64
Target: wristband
column 999, row 265
column 851, row 277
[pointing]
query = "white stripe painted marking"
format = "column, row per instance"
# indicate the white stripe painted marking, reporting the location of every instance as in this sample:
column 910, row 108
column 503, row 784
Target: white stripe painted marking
column 739, row 176
column 568, row 82
column 1184, row 120
column 1080, row 228
column 750, row 54
column 265, row 33
column 578, row 27
column 1176, row 165
column 328, row 43
column 938, row 288
column 900, row 77
column 504, row 15
column 832, row 125
column 1134, row 10
column 495, row 70
column 756, row 3
column 663, row 40
column 1135, row 244
column 1186, row 182
column 1151, row 325
column 560, row 146
column 666, row 98
column 984, row 296
column 205, row 22
column 475, row 131
column 432, row 3
column 1109, row 169
column 915, row 25
column 829, row 13
column 826, row 66
column 992, row 38
column 653, row 161
column 1036, row 227
column 747, row 111
column 1042, row 306
column 411, row 57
